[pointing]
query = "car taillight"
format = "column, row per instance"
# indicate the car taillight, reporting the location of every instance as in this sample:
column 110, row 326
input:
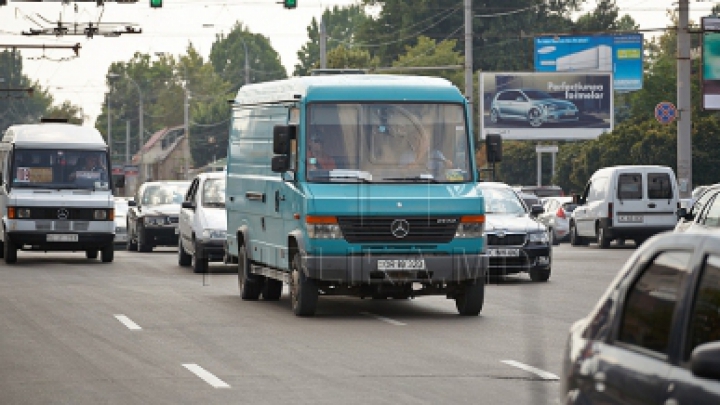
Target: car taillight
column 560, row 213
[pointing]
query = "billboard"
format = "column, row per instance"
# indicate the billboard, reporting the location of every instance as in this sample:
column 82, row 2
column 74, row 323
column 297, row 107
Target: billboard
column 540, row 106
column 711, row 63
column 619, row 54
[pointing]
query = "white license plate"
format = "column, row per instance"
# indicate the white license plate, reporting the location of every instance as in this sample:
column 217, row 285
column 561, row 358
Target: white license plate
column 630, row 218
column 62, row 237
column 401, row 264
column 503, row 252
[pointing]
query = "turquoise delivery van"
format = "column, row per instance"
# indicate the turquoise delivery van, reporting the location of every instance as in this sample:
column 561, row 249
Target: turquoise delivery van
column 358, row 185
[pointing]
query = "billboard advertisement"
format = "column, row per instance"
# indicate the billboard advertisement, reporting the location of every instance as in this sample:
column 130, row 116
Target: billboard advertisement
column 620, row 55
column 711, row 63
column 546, row 106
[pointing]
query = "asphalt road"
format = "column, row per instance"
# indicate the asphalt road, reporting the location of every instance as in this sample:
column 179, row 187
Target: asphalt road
column 142, row 330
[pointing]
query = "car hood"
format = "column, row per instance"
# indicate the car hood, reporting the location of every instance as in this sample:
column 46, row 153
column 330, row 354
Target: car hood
column 556, row 102
column 163, row 209
column 512, row 223
column 213, row 218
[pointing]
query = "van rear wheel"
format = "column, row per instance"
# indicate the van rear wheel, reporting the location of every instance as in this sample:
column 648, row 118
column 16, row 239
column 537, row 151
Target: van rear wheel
column 272, row 289
column 602, row 238
column 575, row 239
column 250, row 284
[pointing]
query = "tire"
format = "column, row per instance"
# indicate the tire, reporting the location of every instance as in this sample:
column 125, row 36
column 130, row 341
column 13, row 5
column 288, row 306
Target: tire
column 91, row 254
column 303, row 291
column 184, row 259
column 602, row 238
column 494, row 116
column 2, row 250
column 9, row 250
column 553, row 239
column 272, row 289
column 540, row 275
column 141, row 245
column 575, row 240
column 250, row 284
column 132, row 241
column 469, row 301
column 107, row 254
column 533, row 118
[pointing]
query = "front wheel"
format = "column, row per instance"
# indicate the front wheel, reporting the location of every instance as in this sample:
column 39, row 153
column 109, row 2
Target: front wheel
column 184, row 259
column 107, row 254
column 303, row 291
column 142, row 245
column 534, row 118
column 539, row 275
column 469, row 300
column 9, row 250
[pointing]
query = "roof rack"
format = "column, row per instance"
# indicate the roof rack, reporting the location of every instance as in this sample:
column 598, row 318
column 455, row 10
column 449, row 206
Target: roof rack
column 54, row 120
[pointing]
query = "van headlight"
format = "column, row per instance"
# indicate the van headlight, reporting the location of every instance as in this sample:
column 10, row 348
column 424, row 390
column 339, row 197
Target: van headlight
column 23, row 213
column 323, row 227
column 100, row 215
column 471, row 226
column 538, row 237
column 214, row 234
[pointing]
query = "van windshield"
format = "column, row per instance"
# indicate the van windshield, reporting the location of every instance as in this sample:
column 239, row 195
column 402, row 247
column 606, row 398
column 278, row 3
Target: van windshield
column 387, row 143
column 59, row 169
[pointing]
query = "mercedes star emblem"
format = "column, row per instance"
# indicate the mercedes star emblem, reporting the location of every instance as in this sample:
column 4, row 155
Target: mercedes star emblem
column 400, row 228
column 63, row 213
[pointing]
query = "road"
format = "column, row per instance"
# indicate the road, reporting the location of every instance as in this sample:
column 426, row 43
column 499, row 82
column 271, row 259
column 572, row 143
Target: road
column 143, row 330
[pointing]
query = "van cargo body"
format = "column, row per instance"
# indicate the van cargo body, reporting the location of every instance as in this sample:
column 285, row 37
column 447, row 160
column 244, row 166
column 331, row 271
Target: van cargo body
column 55, row 193
column 354, row 185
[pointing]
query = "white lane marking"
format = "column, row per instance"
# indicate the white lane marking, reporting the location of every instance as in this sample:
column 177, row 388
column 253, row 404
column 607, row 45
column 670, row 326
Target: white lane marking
column 127, row 322
column 541, row 373
column 382, row 318
column 206, row 376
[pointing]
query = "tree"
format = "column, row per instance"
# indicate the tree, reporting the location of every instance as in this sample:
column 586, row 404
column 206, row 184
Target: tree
column 429, row 53
column 344, row 58
column 340, row 24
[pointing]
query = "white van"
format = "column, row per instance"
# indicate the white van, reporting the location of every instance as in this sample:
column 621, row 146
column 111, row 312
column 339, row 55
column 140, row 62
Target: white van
column 625, row 202
column 55, row 193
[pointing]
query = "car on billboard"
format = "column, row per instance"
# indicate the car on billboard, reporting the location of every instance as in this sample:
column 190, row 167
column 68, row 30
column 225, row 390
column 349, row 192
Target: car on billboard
column 532, row 106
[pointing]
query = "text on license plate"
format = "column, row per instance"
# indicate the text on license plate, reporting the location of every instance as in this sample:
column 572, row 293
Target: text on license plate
column 401, row 264
column 62, row 237
column 630, row 218
column 503, row 252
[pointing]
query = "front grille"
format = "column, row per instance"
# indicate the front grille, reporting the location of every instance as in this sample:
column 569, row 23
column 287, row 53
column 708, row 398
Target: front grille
column 78, row 214
column 47, row 225
column 62, row 225
column 514, row 239
column 378, row 229
column 173, row 220
column 509, row 262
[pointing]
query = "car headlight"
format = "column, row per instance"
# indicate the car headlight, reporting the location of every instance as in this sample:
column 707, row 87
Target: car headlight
column 100, row 215
column 471, row 226
column 154, row 221
column 550, row 107
column 23, row 212
column 214, row 234
column 538, row 237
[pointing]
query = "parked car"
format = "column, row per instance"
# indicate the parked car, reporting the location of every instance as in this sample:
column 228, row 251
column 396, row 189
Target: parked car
column 654, row 336
column 532, row 106
column 121, row 209
column 153, row 215
column 557, row 217
column 625, row 202
column 516, row 242
column 203, row 222
column 704, row 215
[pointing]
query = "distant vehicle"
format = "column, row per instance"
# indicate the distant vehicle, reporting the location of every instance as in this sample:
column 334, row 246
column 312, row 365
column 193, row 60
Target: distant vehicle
column 542, row 191
column 516, row 242
column 203, row 222
column 557, row 217
column 153, row 215
column 625, row 202
column 654, row 336
column 704, row 215
column 532, row 106
column 55, row 193
column 121, row 209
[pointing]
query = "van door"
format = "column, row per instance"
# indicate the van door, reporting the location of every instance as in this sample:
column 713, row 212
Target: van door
column 631, row 202
column 595, row 206
column 661, row 199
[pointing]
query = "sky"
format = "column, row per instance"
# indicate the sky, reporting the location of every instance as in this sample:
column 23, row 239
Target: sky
column 170, row 29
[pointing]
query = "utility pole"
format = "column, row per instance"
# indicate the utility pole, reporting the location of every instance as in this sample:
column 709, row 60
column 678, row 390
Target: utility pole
column 247, row 64
column 469, row 55
column 684, row 122
column 109, row 136
column 187, row 134
column 323, row 44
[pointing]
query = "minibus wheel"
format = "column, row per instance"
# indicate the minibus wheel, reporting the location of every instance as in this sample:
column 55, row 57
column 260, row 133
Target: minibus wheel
column 303, row 291
column 470, row 297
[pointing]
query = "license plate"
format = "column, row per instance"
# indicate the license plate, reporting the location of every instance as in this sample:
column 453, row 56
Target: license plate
column 503, row 252
column 401, row 264
column 62, row 237
column 630, row 218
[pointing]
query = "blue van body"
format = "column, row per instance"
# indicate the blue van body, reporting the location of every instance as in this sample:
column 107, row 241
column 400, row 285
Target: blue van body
column 347, row 230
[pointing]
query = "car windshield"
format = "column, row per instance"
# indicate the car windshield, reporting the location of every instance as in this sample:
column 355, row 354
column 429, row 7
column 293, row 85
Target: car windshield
column 158, row 194
column 502, row 201
column 213, row 193
column 59, row 169
column 537, row 95
column 387, row 143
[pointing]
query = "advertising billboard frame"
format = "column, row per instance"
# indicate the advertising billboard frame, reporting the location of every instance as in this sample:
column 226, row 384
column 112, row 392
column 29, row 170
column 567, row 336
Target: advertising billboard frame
column 710, row 87
column 593, row 89
column 622, row 55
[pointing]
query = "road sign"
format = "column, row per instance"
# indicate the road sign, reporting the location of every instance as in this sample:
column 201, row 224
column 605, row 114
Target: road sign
column 546, row 148
column 665, row 112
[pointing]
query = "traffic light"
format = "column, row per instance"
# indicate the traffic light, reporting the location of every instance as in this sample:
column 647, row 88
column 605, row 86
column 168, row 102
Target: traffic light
column 155, row 3
column 290, row 3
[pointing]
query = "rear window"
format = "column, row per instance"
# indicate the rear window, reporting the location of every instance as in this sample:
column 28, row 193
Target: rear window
column 659, row 186
column 630, row 186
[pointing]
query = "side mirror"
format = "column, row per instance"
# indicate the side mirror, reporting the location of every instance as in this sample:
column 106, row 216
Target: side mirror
column 681, row 213
column 536, row 210
column 280, row 163
column 188, row 204
column 705, row 361
column 282, row 135
column 132, row 203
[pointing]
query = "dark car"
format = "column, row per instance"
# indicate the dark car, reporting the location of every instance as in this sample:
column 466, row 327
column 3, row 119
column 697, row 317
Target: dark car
column 516, row 241
column 153, row 216
column 704, row 214
column 654, row 336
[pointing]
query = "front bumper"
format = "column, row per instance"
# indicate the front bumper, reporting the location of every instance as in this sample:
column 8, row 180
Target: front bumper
column 531, row 257
column 34, row 240
column 363, row 269
column 159, row 236
column 212, row 249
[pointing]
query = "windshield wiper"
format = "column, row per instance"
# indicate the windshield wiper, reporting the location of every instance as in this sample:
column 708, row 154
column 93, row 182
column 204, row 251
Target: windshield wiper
column 331, row 177
column 415, row 179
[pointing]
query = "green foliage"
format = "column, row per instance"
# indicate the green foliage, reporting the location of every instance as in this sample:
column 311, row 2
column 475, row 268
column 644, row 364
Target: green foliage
column 343, row 58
